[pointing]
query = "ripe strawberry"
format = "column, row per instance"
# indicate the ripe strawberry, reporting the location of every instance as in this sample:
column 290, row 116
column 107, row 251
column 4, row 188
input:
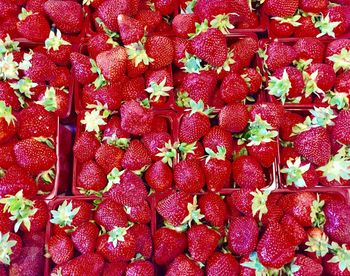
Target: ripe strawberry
column 136, row 156
column 34, row 27
column 36, row 6
column 110, row 214
column 281, row 29
column 307, row 266
column 91, row 177
column 325, row 78
column 139, row 214
column 210, row 46
column 218, row 137
column 248, row 173
column 297, row 232
column 81, row 68
column 7, row 123
column 264, row 153
column 243, row 235
column 335, row 262
column 39, row 219
column 340, row 130
column 189, row 176
column 125, row 185
column 337, row 226
column 150, row 19
column 233, row 89
column 131, row 30
column 140, row 267
column 161, row 50
column 134, row 89
column 182, row 265
column 273, row 113
column 159, row 84
column 299, row 206
column 85, row 147
column 98, row 43
column 114, row 134
column 114, row 269
column 314, row 145
column 245, row 49
column 60, row 248
column 117, row 245
column 336, row 14
column 112, row 63
column 333, row 53
column 72, row 23
column 109, row 157
column 281, row 8
column 84, row 237
column 8, row 96
column 136, row 119
column 290, row 119
column 165, row 7
column 155, row 141
column 213, row 208
column 279, row 55
column 253, row 79
column 42, row 69
column 274, row 249
column 222, row 264
column 310, row 48
column 234, row 117
column 143, row 239
column 109, row 95
column 313, row 6
column 159, row 176
column 8, row 8
column 307, row 28
column 184, row 25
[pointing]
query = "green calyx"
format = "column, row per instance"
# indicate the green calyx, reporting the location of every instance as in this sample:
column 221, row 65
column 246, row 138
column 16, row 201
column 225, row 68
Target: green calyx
column 8, row 68
column 219, row 155
column 192, row 64
column 54, row 41
column 136, row 51
column 117, row 235
column 24, row 14
column 228, row 62
column 280, row 87
column 311, row 84
column 200, row 28
column 45, row 140
column 168, row 152
column 295, row 173
column 325, row 26
column 341, row 60
column 318, row 245
column 340, row 100
column 187, row 149
column 96, row 117
column 222, row 22
column 20, row 208
column 113, row 179
column 100, row 81
column 302, row 64
column 304, row 126
column 322, row 116
column 158, row 90
column 317, row 215
column 194, row 213
column 64, row 214
column 6, row 248
column 292, row 20
column 182, row 99
column 47, row 176
column 122, row 143
column 189, row 7
column 112, row 35
column 291, row 268
column 341, row 256
column 259, row 131
column 338, row 167
column 259, row 202
column 24, row 86
column 199, row 108
column 7, row 45
column 49, row 101
column 6, row 113
column 260, row 269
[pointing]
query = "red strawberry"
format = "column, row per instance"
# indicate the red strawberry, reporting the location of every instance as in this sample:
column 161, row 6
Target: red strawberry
column 109, row 157
column 8, row 96
column 60, row 248
column 279, row 55
column 337, row 226
column 38, row 220
column 34, row 27
column 131, row 30
column 335, row 262
column 81, row 68
column 143, row 239
column 281, row 29
column 274, row 249
column 168, row 244
column 310, row 48
column 161, row 50
column 222, row 263
column 341, row 131
column 243, row 235
column 265, row 153
column 297, row 232
column 213, row 208
column 234, row 117
column 159, row 176
column 7, row 156
column 91, row 178
column 184, row 24
column 189, row 176
column 290, row 119
column 7, row 123
column 139, row 214
column 182, row 265
column 134, row 89
column 307, row 28
column 337, row 14
column 150, row 19
column 333, row 53
column 42, row 69
column 281, row 8
column 165, row 6
column 136, row 156
column 159, row 84
column 248, row 173
column 325, row 76
column 98, row 43
column 233, row 89
column 313, row 6
column 72, row 23
column 112, row 63
column 12, row 246
column 110, row 214
column 114, row 134
column 140, row 267
column 210, row 46
column 114, row 269
column 307, row 266
column 86, row 146
column 245, row 48
column 36, row 6
column 218, row 137
column 154, row 142
column 84, row 237
column 109, row 95
column 253, row 79
column 273, row 113
column 62, row 77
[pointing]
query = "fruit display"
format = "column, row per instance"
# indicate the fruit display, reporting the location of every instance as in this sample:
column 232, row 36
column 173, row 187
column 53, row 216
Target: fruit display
column 163, row 137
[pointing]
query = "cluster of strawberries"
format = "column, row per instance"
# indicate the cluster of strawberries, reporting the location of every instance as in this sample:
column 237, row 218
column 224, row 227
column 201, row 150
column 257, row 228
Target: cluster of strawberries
column 201, row 148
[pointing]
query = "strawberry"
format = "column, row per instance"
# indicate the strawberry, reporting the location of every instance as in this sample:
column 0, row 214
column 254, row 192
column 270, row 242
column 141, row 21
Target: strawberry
column 299, row 206
column 281, row 29
column 161, row 50
column 134, row 89
column 62, row 77
column 234, row 117
column 139, row 214
column 274, row 249
column 279, row 55
column 109, row 157
column 60, row 248
column 36, row 6
column 233, row 89
column 8, row 96
column 84, row 237
column 253, row 79
column 109, row 95
column 340, row 130
column 149, row 18
column 122, row 187
column 251, row 21
column 11, row 245
column 82, row 68
column 99, row 43
column 194, row 124
column 334, row 21
column 143, row 239
column 38, row 220
column 336, row 53
column 159, row 84
column 184, row 24
column 42, row 69
column 281, row 8
column 8, row 8
column 165, row 7
column 313, row 6
column 307, row 28
column 217, row 169
column 289, row 121
column 218, row 137
column 140, row 267
column 245, row 49
column 154, row 142
column 67, row 24
column 114, row 134
column 159, row 176
column 131, row 30
column 307, row 266
column 182, row 265
column 337, row 227
column 117, row 245
column 314, row 145
column 114, row 269
column 336, row 262
column 91, row 178
column 222, row 263
column 6, row 224
column 265, row 153
column 189, row 176
column 31, row 26
column 192, row 151
column 85, row 147
column 210, row 46
column 168, row 244
column 325, row 76
column 112, row 63
column 243, row 235
column 310, row 48
column 7, row 123
column 213, row 208
column 248, row 173
column 110, row 214
column 136, row 156
column 291, row 225
column 273, row 113
column 136, row 119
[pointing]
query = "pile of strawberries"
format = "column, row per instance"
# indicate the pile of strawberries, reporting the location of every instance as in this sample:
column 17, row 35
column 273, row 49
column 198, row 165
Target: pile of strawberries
column 202, row 145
